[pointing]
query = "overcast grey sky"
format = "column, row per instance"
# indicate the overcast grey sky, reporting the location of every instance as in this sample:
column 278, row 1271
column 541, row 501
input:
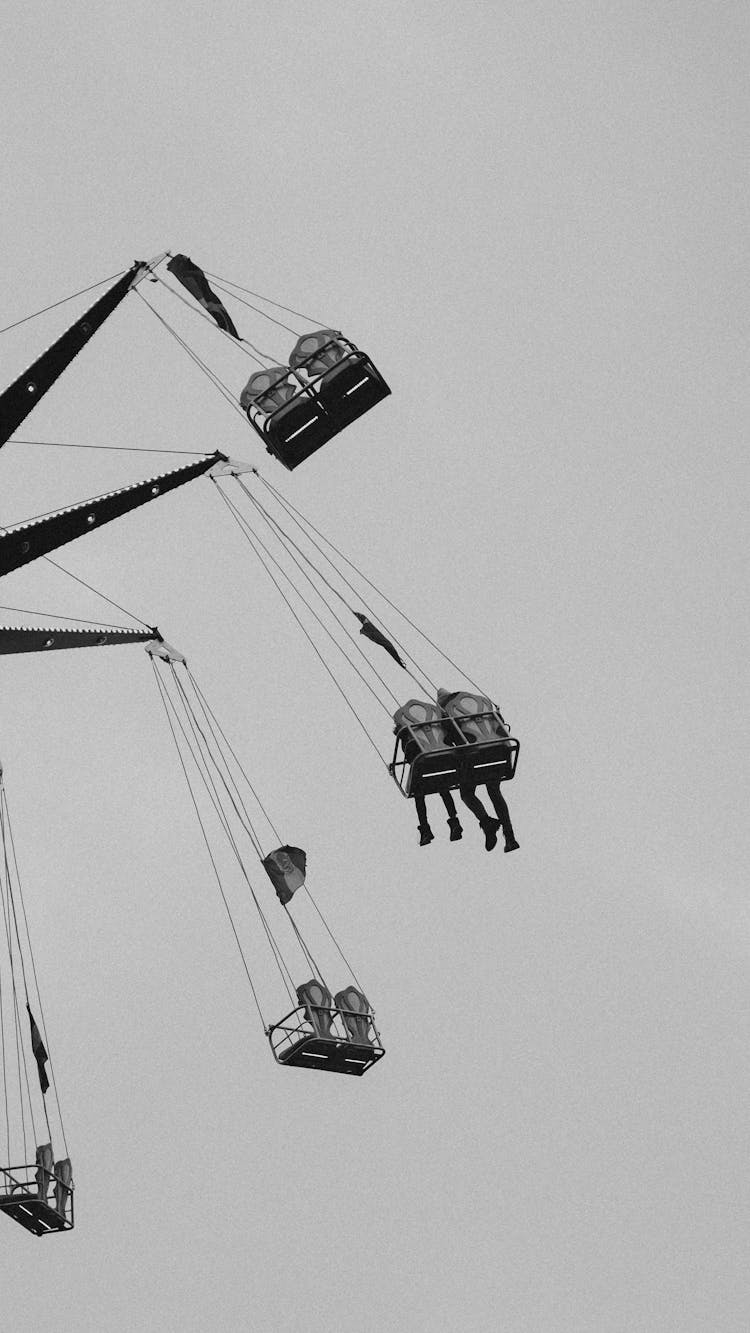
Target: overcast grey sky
column 531, row 214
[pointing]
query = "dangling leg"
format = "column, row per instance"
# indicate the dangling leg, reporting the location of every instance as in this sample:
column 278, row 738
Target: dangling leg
column 453, row 824
column 425, row 832
column 489, row 826
column 503, row 814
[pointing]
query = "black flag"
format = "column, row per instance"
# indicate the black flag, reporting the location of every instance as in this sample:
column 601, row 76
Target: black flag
column 371, row 631
column 286, row 869
column 40, row 1054
column 195, row 281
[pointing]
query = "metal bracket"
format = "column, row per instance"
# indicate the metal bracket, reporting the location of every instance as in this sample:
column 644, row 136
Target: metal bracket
column 145, row 267
column 230, row 467
column 159, row 648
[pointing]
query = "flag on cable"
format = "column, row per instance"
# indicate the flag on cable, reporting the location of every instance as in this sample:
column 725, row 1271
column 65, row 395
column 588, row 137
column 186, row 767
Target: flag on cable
column 286, row 870
column 40, row 1054
column 195, row 281
column 372, row 632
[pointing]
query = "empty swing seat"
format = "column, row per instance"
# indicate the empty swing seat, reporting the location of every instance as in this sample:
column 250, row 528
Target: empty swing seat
column 424, row 763
column 39, row 1196
column 340, row 1037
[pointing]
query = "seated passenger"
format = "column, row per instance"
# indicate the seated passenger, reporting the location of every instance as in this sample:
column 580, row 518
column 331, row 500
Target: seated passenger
column 63, row 1185
column 415, row 739
column 477, row 718
column 477, row 728
column 44, row 1169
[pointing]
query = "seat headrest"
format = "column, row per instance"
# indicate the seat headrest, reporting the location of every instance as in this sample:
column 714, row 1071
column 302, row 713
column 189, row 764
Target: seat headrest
column 262, row 381
column 310, row 343
column 416, row 711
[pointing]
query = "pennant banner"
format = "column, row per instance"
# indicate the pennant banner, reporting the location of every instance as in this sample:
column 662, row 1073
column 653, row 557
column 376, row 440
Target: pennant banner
column 40, row 1054
column 372, row 632
column 286, row 870
column 195, row 281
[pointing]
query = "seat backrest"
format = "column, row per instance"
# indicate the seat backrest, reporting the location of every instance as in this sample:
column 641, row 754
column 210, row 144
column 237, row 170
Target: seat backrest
column 465, row 709
column 269, row 389
column 311, row 354
column 355, row 1012
column 63, row 1184
column 420, row 722
column 44, row 1168
column 316, row 1001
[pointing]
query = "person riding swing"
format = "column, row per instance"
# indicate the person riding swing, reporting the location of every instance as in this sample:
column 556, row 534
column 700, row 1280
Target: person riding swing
column 467, row 783
column 411, row 749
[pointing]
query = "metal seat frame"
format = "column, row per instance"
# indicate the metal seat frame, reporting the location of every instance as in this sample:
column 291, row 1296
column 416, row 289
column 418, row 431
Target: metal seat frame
column 294, row 1041
column 472, row 763
column 324, row 420
column 19, row 1198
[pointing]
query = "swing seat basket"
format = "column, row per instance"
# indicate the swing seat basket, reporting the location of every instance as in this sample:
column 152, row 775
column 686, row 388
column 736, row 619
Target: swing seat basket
column 295, row 1040
column 20, row 1198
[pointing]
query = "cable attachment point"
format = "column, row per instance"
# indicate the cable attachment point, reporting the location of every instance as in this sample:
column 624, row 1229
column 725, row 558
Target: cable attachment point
column 229, row 467
column 145, row 267
column 159, row 648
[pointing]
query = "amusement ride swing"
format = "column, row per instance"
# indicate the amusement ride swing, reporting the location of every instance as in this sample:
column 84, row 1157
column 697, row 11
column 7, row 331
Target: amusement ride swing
column 39, row 1194
column 296, row 408
column 457, row 740
column 321, row 1030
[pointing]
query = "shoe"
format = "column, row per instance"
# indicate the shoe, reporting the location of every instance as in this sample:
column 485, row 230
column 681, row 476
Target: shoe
column 490, row 833
column 456, row 830
column 425, row 835
column 511, row 845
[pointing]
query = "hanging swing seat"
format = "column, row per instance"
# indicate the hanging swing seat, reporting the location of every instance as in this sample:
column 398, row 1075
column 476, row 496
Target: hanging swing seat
column 40, row 1209
column 327, row 1043
column 296, row 409
column 437, row 767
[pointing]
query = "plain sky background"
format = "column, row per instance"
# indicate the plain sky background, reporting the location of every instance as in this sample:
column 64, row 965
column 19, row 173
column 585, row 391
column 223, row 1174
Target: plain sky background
column 530, row 214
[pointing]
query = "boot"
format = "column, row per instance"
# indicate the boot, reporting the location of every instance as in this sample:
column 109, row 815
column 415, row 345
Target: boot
column 425, row 835
column 490, row 828
column 455, row 828
column 510, row 841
